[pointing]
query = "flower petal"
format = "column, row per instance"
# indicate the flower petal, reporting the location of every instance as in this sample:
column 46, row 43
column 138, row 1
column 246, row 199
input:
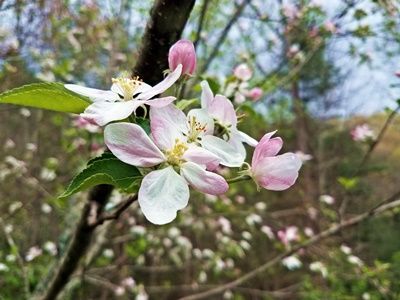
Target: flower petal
column 160, row 102
column 267, row 147
column 130, row 143
column 167, row 124
column 277, row 173
column 226, row 152
column 207, row 95
column 93, row 94
column 202, row 180
column 161, row 194
column 247, row 139
column 202, row 157
column 163, row 85
column 221, row 108
column 104, row 112
column 201, row 116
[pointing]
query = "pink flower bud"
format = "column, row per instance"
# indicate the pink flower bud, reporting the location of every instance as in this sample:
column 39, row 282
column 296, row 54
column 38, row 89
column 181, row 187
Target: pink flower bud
column 255, row 93
column 397, row 73
column 182, row 52
column 243, row 72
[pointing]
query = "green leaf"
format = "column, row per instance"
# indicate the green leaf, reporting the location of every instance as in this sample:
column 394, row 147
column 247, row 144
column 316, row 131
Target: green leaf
column 50, row 96
column 105, row 170
column 144, row 123
column 185, row 103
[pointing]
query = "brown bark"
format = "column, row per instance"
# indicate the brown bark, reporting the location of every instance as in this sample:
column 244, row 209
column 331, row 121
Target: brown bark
column 167, row 21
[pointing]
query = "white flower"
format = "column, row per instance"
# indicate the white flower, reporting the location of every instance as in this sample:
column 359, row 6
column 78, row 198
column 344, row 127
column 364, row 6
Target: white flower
column 355, row 260
column 50, row 247
column 253, row 219
column 327, row 199
column 3, row 267
column 318, row 266
column 291, row 262
column 128, row 282
column 46, row 208
column 268, row 231
column 109, row 253
column 125, row 96
column 345, row 249
column 32, row 253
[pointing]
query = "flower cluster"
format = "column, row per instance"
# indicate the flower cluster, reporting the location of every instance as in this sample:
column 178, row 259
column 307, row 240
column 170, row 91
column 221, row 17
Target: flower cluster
column 182, row 150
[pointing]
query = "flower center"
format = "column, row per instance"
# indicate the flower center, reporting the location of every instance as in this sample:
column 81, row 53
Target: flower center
column 174, row 156
column 195, row 129
column 128, row 86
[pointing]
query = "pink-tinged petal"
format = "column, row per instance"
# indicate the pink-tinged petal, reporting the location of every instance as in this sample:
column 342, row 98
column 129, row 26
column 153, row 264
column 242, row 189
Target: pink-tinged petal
column 160, row 102
column 161, row 194
column 182, row 52
column 203, row 118
column 130, row 143
column 221, row 109
column 227, row 153
column 167, row 124
column 207, row 95
column 201, row 157
column 94, row 94
column 248, row 139
column 236, row 141
column 163, row 85
column 103, row 112
column 267, row 147
column 277, row 173
column 202, row 180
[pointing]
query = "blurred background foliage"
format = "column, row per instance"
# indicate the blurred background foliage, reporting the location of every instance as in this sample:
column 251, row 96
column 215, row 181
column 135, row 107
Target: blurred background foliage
column 324, row 68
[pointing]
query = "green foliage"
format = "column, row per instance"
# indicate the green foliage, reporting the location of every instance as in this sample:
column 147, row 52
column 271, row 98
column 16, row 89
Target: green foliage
column 185, row 103
column 50, row 96
column 105, row 170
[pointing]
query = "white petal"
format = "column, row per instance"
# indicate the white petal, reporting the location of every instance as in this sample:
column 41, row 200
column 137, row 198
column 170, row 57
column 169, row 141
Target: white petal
column 163, row 85
column 226, row 152
column 203, row 118
column 221, row 109
column 202, row 180
column 247, row 139
column 167, row 124
column 105, row 112
column 207, row 95
column 93, row 94
column 130, row 143
column 160, row 102
column 236, row 141
column 162, row 194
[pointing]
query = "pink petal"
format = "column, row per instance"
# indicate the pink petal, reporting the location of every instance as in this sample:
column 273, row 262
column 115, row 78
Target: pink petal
column 182, row 52
column 207, row 95
column 103, row 112
column 221, row 109
column 277, row 173
column 167, row 124
column 202, row 157
column 202, row 180
column 163, row 85
column 267, row 147
column 130, row 143
column 160, row 102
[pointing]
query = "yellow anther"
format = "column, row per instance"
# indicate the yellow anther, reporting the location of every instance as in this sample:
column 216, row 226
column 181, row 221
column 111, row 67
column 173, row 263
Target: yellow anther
column 174, row 156
column 128, row 86
column 195, row 129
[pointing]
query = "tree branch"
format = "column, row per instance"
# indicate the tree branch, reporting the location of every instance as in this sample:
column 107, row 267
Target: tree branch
column 388, row 204
column 201, row 23
column 223, row 36
column 167, row 21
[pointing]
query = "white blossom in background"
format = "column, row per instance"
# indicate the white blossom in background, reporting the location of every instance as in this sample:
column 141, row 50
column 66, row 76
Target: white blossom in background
column 355, row 260
column 32, row 253
column 119, row 291
column 50, row 247
column 109, row 253
column 318, row 266
column 292, row 262
column 46, row 208
column 327, row 199
column 3, row 267
column 128, row 282
column 253, row 219
column 345, row 249
column 268, row 231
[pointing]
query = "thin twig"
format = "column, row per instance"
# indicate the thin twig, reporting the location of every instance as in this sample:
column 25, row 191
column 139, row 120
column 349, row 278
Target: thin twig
column 384, row 206
column 201, row 23
column 223, row 36
column 115, row 214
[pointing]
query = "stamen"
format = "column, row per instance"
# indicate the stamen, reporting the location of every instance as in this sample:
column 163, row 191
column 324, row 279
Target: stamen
column 174, row 156
column 128, row 86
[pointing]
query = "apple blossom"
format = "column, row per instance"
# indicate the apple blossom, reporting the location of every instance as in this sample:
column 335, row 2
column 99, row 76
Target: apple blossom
column 255, row 93
column 224, row 115
column 292, row 262
column 86, row 124
column 179, row 163
column 272, row 171
column 197, row 128
column 125, row 96
column 362, row 133
column 243, row 72
column 182, row 52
